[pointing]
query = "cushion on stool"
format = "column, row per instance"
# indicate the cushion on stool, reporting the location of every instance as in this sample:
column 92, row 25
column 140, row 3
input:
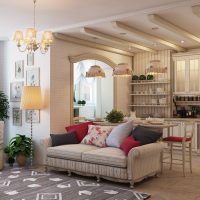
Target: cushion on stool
column 175, row 139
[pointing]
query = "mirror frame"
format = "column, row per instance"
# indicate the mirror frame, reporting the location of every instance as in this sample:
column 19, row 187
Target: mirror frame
column 89, row 56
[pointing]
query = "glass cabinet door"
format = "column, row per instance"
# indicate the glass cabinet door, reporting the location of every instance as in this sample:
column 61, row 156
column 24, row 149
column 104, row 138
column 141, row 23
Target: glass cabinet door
column 194, row 75
column 180, row 76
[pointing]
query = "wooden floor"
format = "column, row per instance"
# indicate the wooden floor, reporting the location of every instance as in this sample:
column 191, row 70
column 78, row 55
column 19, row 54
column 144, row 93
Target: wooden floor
column 171, row 185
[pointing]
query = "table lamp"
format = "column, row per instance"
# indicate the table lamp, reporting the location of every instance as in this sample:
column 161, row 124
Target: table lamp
column 31, row 100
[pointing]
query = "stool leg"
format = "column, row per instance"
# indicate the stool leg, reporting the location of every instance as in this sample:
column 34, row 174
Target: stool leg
column 190, row 149
column 183, row 155
column 171, row 155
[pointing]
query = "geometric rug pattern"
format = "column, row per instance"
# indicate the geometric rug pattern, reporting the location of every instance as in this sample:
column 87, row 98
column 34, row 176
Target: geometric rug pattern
column 23, row 184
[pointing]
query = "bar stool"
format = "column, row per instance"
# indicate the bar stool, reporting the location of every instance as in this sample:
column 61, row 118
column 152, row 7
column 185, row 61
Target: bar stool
column 184, row 143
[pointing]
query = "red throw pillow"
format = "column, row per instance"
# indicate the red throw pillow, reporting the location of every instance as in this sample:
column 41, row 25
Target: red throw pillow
column 128, row 144
column 81, row 129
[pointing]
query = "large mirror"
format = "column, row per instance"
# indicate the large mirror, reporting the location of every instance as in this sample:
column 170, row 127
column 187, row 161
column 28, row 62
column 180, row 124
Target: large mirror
column 92, row 96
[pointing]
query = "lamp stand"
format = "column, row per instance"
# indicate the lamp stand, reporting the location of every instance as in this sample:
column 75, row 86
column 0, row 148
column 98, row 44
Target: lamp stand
column 31, row 156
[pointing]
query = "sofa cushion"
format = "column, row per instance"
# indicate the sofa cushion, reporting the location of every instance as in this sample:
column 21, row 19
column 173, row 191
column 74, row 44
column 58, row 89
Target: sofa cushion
column 145, row 135
column 70, row 151
column 64, row 138
column 97, row 135
column 119, row 133
column 109, row 156
column 128, row 144
column 81, row 129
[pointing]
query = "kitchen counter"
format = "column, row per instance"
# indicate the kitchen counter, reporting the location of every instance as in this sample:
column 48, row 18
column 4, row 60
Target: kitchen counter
column 183, row 119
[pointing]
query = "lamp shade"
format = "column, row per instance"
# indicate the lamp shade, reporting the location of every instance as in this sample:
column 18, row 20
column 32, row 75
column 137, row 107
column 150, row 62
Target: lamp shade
column 31, row 98
column 95, row 71
column 122, row 69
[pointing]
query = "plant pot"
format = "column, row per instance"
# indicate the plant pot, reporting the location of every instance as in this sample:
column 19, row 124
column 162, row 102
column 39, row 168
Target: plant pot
column 11, row 161
column 21, row 159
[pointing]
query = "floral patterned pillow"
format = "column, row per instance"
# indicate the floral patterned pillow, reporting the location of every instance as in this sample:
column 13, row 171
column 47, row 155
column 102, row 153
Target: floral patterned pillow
column 97, row 135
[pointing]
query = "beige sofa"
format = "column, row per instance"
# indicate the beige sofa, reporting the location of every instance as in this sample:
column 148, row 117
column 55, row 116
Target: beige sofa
column 108, row 163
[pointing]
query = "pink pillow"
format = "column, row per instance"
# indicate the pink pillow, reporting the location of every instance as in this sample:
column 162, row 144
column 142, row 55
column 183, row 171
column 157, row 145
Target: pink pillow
column 81, row 129
column 97, row 135
column 128, row 144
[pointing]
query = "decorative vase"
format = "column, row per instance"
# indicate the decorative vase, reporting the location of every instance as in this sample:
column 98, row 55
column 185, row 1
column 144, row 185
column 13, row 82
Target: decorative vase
column 21, row 159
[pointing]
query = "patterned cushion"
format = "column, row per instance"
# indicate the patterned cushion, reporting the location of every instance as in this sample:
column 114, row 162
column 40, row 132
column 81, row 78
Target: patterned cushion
column 70, row 151
column 106, row 156
column 97, row 135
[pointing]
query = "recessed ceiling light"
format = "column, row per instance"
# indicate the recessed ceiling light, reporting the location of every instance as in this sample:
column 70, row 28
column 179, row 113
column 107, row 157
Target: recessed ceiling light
column 154, row 28
column 123, row 33
column 182, row 41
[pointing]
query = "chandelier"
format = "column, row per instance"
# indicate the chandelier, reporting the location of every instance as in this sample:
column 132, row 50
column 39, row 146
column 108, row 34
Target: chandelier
column 28, row 42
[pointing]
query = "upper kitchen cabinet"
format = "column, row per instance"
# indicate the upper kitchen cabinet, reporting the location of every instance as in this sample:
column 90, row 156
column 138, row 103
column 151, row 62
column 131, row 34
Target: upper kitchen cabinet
column 186, row 74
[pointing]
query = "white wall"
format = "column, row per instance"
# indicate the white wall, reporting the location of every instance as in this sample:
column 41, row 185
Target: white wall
column 41, row 130
column 60, row 81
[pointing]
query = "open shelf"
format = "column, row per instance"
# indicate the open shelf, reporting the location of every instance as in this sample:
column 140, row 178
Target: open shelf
column 161, row 94
column 148, row 82
column 188, row 102
column 150, row 105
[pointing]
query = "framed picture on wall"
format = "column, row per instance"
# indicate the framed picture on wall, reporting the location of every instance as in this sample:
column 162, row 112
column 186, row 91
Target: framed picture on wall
column 17, row 117
column 33, row 77
column 30, row 59
column 19, row 69
column 16, row 91
column 35, row 116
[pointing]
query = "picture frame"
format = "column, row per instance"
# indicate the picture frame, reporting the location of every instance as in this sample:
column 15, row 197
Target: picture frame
column 33, row 77
column 19, row 69
column 35, row 116
column 16, row 91
column 17, row 116
column 30, row 59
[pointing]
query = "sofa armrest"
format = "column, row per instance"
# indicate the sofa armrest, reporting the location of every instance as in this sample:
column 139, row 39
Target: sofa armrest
column 145, row 160
column 45, row 143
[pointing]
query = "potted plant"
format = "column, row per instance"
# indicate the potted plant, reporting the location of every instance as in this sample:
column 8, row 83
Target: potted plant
column 115, row 116
column 21, row 146
column 4, row 106
column 10, row 155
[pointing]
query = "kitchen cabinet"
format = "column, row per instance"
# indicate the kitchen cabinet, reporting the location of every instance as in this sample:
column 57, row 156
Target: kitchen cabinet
column 186, row 75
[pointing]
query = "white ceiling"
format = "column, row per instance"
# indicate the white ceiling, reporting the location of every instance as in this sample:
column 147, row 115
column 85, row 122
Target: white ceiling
column 68, row 16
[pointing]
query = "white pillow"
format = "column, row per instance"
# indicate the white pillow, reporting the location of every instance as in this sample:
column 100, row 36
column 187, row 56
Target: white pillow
column 119, row 134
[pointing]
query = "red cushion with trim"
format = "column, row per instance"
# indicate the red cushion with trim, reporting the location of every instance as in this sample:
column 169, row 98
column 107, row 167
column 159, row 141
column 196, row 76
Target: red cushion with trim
column 175, row 139
column 128, row 144
column 81, row 129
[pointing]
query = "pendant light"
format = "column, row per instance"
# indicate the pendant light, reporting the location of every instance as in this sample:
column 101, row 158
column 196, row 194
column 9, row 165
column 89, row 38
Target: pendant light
column 122, row 69
column 95, row 71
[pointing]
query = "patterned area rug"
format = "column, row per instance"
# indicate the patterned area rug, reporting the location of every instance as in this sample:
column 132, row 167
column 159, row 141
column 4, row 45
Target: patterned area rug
column 23, row 184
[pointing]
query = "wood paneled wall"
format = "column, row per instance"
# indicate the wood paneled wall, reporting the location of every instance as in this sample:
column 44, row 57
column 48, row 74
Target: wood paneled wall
column 141, row 61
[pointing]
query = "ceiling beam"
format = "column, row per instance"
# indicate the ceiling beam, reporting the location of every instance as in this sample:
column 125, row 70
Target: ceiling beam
column 156, row 19
column 147, row 36
column 114, row 39
column 92, row 44
column 196, row 10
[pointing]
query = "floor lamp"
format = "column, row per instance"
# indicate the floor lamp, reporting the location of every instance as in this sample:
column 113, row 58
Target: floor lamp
column 31, row 100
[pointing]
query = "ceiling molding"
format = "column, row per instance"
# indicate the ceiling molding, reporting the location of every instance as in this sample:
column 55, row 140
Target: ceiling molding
column 91, row 44
column 156, row 19
column 114, row 39
column 144, row 35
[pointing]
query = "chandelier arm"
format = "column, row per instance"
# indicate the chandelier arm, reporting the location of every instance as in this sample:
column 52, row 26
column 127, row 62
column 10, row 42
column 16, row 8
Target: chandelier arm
column 21, row 49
